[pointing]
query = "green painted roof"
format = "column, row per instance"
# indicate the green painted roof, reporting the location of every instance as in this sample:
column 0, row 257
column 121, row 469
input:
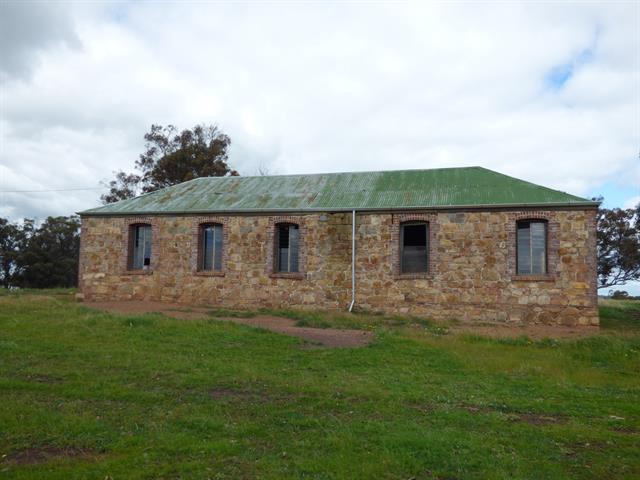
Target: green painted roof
column 401, row 189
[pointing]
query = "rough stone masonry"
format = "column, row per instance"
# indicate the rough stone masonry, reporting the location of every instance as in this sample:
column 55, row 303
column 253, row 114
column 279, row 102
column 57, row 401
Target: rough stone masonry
column 471, row 275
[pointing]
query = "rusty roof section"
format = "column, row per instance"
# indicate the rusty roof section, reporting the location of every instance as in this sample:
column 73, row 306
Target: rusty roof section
column 387, row 190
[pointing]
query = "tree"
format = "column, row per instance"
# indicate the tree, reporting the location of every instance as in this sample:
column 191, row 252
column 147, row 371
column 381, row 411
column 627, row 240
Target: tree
column 172, row 157
column 618, row 246
column 619, row 294
column 10, row 242
column 124, row 186
column 263, row 169
column 49, row 254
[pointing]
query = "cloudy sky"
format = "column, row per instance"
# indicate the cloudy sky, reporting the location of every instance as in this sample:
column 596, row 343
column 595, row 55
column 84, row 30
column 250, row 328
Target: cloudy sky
column 545, row 91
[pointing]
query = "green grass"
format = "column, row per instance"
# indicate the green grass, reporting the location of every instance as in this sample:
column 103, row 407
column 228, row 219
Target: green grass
column 365, row 321
column 86, row 394
column 34, row 291
column 226, row 313
column 357, row 320
column 620, row 315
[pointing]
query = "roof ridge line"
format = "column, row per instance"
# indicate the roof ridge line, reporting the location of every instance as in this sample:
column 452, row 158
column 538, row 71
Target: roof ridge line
column 341, row 173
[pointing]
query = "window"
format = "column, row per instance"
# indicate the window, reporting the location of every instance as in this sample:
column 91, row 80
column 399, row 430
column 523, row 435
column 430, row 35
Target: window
column 140, row 247
column 287, row 247
column 414, row 251
column 210, row 247
column 531, row 247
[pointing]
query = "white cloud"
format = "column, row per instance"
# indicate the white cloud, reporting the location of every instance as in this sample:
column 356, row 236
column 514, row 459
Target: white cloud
column 306, row 88
column 632, row 202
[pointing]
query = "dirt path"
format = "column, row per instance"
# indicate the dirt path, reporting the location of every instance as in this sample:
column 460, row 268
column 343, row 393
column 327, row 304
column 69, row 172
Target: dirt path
column 329, row 337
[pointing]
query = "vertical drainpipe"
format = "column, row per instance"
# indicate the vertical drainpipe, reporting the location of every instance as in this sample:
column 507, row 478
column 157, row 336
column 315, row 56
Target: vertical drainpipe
column 353, row 260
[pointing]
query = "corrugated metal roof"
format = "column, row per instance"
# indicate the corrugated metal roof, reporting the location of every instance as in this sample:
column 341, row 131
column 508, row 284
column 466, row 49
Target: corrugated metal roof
column 401, row 189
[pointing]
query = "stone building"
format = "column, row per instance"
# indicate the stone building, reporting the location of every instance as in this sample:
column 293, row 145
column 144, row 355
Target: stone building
column 461, row 243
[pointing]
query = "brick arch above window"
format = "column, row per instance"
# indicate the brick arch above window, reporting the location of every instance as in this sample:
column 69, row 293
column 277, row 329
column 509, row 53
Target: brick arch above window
column 127, row 239
column 432, row 244
column 553, row 243
column 302, row 246
column 196, row 244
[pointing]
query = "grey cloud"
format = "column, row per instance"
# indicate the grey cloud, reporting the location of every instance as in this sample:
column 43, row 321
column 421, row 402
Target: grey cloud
column 29, row 28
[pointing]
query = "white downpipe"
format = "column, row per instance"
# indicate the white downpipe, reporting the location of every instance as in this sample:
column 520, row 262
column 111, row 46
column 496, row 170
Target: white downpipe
column 353, row 260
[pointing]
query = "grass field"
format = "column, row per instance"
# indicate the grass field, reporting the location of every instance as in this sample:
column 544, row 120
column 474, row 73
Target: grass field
column 87, row 394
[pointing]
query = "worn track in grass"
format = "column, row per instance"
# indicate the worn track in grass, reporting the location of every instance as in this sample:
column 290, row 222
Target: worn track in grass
column 328, row 337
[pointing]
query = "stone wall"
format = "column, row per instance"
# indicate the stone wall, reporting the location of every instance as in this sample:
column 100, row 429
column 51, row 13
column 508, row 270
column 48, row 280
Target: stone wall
column 471, row 278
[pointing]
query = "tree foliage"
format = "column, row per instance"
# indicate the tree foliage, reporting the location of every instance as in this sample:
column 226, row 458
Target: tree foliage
column 172, row 157
column 619, row 294
column 41, row 256
column 618, row 246
column 10, row 243
column 125, row 185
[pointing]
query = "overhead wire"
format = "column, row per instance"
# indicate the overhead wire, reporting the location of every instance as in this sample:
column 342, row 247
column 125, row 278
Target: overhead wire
column 74, row 189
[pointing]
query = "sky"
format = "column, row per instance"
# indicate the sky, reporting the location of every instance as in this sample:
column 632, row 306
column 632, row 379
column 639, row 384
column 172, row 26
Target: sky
column 544, row 91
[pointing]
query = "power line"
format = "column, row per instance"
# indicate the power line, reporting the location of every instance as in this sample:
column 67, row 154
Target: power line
column 75, row 189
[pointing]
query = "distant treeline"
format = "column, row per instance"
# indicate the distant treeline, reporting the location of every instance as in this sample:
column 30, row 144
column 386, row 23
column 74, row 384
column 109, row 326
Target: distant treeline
column 621, row 295
column 39, row 256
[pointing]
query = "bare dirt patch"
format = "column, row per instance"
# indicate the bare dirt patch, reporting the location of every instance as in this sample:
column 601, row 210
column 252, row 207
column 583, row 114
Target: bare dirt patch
column 328, row 337
column 478, row 409
column 35, row 455
column 243, row 394
column 535, row 332
column 42, row 378
column 528, row 417
column 626, row 430
column 223, row 393
column 535, row 419
column 425, row 408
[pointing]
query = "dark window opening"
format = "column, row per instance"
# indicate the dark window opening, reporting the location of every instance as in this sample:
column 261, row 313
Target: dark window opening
column 531, row 248
column 414, row 256
column 210, row 247
column 140, row 247
column 287, row 247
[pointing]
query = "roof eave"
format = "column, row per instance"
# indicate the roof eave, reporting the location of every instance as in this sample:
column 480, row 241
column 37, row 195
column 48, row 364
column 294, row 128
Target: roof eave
column 493, row 206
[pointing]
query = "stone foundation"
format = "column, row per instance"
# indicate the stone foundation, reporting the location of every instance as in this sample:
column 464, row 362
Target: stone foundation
column 471, row 278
